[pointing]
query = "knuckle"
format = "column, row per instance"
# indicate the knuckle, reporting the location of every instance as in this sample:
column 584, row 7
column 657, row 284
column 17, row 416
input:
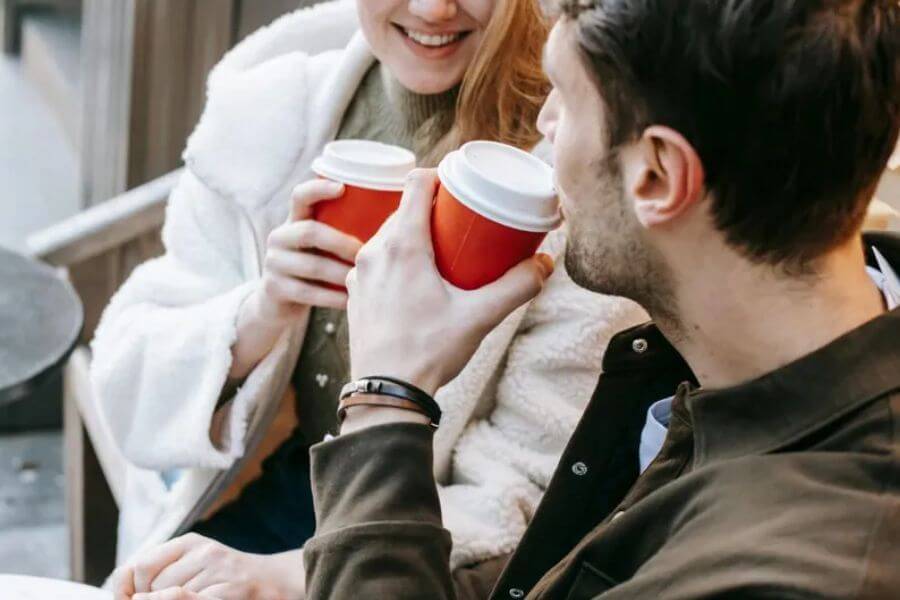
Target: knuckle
column 269, row 286
column 214, row 551
column 141, row 576
column 364, row 257
column 313, row 269
column 296, row 292
column 272, row 287
column 306, row 232
column 417, row 176
column 398, row 248
column 300, row 191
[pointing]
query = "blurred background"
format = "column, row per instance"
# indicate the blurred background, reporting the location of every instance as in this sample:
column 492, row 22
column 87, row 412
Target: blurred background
column 97, row 98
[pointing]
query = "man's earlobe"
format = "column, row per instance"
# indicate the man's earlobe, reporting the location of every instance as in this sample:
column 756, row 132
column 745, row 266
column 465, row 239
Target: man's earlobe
column 671, row 180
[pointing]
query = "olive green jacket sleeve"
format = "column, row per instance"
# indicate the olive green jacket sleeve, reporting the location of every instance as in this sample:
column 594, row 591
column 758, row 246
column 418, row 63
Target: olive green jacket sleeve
column 379, row 529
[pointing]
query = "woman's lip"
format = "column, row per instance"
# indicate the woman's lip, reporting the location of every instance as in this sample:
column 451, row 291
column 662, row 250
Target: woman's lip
column 426, row 31
column 432, row 52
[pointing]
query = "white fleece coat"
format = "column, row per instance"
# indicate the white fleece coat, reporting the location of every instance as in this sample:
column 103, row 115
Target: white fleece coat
column 162, row 350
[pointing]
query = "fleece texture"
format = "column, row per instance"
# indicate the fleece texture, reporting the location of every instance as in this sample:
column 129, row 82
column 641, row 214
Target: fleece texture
column 162, row 350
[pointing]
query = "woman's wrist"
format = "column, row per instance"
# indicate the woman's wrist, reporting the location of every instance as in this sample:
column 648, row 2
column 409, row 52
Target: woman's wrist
column 257, row 332
column 255, row 312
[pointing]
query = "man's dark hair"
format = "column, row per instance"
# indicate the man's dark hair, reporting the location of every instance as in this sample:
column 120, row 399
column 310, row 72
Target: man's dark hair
column 792, row 105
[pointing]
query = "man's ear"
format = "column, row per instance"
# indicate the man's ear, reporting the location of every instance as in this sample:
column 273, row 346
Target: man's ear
column 671, row 178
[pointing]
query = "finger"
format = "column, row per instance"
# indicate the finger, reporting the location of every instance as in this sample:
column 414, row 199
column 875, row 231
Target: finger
column 295, row 291
column 123, row 583
column 178, row 573
column 519, row 285
column 417, row 200
column 308, row 266
column 228, row 591
column 172, row 594
column 155, row 560
column 310, row 193
column 200, row 582
column 307, row 235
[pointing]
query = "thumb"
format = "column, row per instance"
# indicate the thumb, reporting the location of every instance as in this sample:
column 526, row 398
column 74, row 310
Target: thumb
column 123, row 583
column 518, row 286
column 171, row 594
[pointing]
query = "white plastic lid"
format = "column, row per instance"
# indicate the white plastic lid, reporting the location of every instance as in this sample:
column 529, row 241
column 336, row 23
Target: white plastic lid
column 366, row 164
column 504, row 184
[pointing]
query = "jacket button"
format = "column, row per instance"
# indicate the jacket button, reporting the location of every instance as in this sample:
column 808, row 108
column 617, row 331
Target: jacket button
column 580, row 469
column 516, row 593
column 640, row 345
column 322, row 379
column 330, row 328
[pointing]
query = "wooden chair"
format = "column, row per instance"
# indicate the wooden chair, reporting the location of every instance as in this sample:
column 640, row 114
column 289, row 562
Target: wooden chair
column 143, row 87
column 97, row 250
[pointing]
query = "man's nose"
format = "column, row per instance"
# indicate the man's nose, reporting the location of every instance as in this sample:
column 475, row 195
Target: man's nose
column 433, row 10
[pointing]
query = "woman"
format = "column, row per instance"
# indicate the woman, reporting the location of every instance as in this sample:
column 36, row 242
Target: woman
column 194, row 354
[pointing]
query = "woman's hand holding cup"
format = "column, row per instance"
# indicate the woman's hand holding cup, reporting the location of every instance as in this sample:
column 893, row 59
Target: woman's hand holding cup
column 309, row 256
column 303, row 255
column 306, row 264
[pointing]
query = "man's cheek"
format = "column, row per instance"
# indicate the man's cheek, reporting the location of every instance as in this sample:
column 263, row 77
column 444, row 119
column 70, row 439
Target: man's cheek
column 567, row 174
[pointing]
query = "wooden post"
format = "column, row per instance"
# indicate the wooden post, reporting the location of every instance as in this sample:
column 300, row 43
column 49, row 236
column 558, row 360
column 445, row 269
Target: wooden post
column 145, row 64
column 107, row 42
column 90, row 507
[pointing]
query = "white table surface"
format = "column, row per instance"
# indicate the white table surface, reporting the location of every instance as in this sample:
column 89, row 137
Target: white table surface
column 16, row 587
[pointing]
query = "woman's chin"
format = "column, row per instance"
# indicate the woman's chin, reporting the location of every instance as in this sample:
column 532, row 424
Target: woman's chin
column 422, row 82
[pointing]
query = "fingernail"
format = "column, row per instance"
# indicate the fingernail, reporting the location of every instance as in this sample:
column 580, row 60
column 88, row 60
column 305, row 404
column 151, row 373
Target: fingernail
column 546, row 264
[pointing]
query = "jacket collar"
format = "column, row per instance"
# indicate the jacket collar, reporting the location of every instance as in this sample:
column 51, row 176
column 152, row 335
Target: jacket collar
column 797, row 400
column 781, row 408
column 786, row 405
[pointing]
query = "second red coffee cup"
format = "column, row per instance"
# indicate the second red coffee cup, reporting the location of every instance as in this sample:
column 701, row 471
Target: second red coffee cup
column 373, row 175
column 494, row 207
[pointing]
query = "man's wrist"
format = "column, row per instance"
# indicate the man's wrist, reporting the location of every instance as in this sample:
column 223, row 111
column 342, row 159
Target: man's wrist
column 363, row 417
column 425, row 380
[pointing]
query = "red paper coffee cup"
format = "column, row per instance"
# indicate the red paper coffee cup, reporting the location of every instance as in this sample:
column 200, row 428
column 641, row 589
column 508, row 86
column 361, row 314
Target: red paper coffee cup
column 373, row 175
column 494, row 207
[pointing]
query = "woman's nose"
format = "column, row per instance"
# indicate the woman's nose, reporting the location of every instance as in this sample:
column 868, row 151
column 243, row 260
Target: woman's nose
column 433, row 10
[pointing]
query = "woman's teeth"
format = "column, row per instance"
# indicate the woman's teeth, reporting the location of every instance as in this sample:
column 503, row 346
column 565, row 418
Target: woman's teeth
column 434, row 41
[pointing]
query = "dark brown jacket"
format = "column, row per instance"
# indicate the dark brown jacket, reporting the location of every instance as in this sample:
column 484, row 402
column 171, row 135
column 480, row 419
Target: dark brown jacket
column 784, row 487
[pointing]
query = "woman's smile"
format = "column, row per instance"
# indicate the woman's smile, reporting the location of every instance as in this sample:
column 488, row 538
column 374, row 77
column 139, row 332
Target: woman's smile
column 432, row 44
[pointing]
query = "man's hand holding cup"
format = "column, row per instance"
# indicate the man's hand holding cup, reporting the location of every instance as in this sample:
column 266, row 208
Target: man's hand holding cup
column 409, row 323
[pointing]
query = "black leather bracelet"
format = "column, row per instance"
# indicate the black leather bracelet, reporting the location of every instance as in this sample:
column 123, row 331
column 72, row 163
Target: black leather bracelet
column 388, row 386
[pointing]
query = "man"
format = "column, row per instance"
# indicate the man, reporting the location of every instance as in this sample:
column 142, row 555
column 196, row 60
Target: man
column 714, row 160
